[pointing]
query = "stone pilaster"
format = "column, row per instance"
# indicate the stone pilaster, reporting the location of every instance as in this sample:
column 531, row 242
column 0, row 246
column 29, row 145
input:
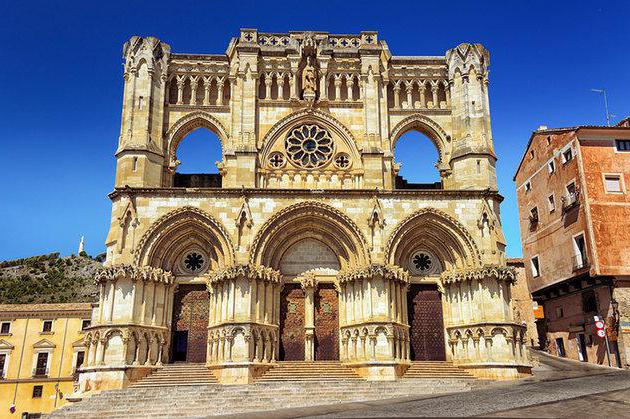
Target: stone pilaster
column 243, row 326
column 374, row 333
column 482, row 336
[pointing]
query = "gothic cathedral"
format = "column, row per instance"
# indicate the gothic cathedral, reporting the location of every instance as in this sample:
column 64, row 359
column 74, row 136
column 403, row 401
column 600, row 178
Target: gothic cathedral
column 307, row 245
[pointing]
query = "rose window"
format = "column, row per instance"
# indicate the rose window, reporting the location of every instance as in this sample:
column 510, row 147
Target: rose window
column 423, row 263
column 194, row 262
column 309, row 146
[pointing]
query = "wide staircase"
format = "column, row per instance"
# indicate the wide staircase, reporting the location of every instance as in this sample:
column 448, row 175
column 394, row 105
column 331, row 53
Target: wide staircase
column 435, row 369
column 308, row 371
column 178, row 374
column 190, row 390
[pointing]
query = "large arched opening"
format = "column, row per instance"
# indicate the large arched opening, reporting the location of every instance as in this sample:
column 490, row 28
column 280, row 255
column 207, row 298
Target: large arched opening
column 195, row 151
column 420, row 150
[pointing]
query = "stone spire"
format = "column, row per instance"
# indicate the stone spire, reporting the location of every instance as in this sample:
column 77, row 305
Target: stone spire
column 81, row 246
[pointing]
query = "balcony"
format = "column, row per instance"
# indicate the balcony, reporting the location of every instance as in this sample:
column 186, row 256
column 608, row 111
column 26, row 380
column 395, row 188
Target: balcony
column 40, row 372
column 580, row 262
column 570, row 201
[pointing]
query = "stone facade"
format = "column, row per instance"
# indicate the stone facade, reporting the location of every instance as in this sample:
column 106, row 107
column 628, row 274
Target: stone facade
column 574, row 207
column 307, row 218
column 522, row 302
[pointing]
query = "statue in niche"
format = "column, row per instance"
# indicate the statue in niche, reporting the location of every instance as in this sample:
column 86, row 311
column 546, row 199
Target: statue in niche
column 309, row 79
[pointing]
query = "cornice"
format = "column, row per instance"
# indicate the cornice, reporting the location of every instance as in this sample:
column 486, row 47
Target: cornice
column 307, row 193
column 500, row 273
column 135, row 273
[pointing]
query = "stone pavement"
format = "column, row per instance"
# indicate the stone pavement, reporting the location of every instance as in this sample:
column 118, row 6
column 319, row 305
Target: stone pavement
column 559, row 388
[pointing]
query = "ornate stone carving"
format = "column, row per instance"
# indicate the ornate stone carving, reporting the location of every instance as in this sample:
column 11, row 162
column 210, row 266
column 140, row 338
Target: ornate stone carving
column 249, row 271
column 500, row 273
column 135, row 273
column 390, row 272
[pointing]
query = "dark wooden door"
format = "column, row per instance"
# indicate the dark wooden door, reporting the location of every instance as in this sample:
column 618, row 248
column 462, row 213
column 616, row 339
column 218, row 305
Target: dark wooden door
column 292, row 323
column 326, row 323
column 190, row 315
column 424, row 304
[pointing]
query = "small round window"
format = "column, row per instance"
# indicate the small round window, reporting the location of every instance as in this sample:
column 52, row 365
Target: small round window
column 276, row 160
column 423, row 262
column 194, row 262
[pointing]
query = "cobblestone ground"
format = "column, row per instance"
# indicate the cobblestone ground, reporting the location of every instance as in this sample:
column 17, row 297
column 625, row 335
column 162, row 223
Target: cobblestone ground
column 559, row 388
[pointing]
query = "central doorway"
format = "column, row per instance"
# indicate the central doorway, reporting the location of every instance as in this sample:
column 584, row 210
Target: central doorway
column 190, row 323
column 424, row 303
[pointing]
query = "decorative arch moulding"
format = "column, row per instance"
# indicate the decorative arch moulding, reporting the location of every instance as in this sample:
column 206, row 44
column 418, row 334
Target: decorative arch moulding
column 248, row 271
column 390, row 272
column 499, row 273
column 135, row 273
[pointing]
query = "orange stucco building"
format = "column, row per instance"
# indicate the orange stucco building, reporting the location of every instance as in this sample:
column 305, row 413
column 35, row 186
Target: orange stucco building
column 572, row 189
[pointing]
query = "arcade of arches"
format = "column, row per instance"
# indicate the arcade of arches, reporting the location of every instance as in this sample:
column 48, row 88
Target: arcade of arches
column 306, row 248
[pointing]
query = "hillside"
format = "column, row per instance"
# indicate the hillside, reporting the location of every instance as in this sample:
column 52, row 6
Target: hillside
column 48, row 279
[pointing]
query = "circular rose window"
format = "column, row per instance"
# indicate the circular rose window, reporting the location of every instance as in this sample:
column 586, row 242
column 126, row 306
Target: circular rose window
column 194, row 262
column 422, row 262
column 309, row 146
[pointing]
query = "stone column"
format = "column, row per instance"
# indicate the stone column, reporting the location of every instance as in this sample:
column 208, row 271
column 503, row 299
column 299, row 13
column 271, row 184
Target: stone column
column 309, row 283
column 180, row 89
column 397, row 95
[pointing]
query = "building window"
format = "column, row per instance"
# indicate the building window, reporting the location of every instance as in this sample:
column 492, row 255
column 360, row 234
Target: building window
column 3, row 362
column 589, row 302
column 612, row 184
column 622, row 145
column 560, row 347
column 80, row 359
column 535, row 267
column 579, row 251
column 567, row 156
column 37, row 392
column 533, row 216
column 551, row 166
column 5, row 328
column 532, row 154
column 551, row 201
column 47, row 326
column 571, row 198
column 559, row 312
column 528, row 186
column 41, row 367
column 85, row 324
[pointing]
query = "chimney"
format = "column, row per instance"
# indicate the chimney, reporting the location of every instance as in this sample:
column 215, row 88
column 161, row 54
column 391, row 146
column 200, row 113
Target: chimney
column 542, row 127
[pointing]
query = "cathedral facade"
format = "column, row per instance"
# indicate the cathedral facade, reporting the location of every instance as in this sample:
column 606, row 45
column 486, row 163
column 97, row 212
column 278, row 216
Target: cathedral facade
column 307, row 245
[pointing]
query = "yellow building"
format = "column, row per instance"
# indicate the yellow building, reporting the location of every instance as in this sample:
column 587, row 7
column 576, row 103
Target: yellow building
column 41, row 346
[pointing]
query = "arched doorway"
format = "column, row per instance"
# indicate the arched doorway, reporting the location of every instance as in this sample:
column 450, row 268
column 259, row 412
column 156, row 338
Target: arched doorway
column 309, row 305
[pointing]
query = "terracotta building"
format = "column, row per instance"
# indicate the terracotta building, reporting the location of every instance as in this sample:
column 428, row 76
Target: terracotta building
column 41, row 348
column 572, row 189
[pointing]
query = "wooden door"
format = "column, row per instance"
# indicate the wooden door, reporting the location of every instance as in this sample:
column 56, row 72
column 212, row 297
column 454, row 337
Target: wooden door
column 326, row 323
column 424, row 304
column 190, row 315
column 292, row 333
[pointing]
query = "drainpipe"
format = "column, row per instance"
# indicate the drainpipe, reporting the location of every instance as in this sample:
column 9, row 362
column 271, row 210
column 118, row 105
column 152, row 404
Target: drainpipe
column 20, row 365
column 63, row 349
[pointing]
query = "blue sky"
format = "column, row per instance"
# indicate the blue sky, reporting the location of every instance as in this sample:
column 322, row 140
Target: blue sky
column 61, row 79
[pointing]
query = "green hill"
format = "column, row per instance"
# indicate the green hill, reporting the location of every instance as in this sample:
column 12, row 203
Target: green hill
column 48, row 279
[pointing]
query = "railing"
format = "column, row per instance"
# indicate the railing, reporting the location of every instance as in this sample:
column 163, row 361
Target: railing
column 580, row 262
column 204, row 180
column 570, row 200
column 40, row 372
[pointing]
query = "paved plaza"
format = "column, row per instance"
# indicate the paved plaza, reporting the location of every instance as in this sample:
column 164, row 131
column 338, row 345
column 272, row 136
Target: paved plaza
column 559, row 388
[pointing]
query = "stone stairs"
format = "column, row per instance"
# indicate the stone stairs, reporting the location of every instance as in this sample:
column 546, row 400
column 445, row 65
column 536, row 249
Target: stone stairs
column 178, row 374
column 435, row 369
column 308, row 371
column 209, row 400
column 189, row 390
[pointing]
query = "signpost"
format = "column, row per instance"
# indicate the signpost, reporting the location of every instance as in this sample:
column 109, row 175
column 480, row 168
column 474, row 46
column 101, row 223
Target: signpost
column 600, row 326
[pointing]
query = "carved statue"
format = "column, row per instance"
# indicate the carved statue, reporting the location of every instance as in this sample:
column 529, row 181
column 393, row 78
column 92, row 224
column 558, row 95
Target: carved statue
column 309, row 78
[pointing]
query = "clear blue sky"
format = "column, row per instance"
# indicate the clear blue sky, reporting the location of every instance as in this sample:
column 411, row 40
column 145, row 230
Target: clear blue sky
column 61, row 78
